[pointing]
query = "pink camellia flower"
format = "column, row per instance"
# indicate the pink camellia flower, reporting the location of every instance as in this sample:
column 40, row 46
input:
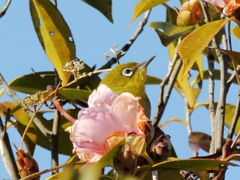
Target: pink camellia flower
column 107, row 120
column 227, row 7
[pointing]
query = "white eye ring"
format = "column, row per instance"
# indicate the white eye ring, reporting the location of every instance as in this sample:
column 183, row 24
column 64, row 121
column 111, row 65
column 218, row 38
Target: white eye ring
column 127, row 72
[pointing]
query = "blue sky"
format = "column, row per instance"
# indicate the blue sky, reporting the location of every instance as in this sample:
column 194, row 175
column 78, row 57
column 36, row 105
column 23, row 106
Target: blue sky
column 93, row 34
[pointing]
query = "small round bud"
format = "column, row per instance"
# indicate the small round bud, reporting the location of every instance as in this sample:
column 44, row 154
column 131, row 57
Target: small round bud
column 190, row 13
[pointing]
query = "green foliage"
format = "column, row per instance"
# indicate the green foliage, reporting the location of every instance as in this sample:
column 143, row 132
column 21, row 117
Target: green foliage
column 103, row 6
column 153, row 80
column 168, row 32
column 192, row 164
column 187, row 44
column 71, row 93
column 27, row 83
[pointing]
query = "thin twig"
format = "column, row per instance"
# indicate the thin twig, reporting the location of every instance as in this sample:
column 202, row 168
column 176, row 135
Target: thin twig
column 169, row 79
column 51, row 169
column 188, row 115
column 63, row 112
column 54, row 140
column 28, row 125
column 18, row 100
column 5, row 8
column 126, row 47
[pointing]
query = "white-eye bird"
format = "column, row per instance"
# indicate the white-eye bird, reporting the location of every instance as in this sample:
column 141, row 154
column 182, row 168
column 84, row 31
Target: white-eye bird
column 130, row 77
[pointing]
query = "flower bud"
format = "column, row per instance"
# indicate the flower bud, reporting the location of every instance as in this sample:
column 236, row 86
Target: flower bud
column 161, row 148
column 26, row 164
column 125, row 161
column 190, row 13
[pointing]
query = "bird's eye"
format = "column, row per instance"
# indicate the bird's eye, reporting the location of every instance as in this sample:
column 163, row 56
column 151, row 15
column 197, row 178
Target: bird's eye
column 127, row 72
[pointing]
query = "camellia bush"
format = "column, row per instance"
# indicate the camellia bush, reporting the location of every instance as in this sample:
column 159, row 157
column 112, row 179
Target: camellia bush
column 109, row 134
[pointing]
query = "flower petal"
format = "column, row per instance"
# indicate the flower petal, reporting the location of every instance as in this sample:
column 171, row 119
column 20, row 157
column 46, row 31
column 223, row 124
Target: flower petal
column 124, row 112
column 102, row 96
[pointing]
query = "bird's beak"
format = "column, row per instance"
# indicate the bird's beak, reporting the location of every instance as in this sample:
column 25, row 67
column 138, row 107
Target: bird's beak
column 145, row 63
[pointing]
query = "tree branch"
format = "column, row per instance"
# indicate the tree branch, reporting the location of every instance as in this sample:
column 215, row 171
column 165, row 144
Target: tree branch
column 54, row 140
column 7, row 153
column 169, row 79
column 220, row 110
column 5, row 8
column 217, row 115
column 18, row 100
column 126, row 47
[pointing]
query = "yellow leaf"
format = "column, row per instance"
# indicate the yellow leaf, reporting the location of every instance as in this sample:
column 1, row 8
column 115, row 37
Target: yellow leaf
column 236, row 32
column 199, row 63
column 22, row 120
column 16, row 111
column 54, row 35
column 230, row 110
column 193, row 45
column 1, row 92
column 145, row 5
column 186, row 89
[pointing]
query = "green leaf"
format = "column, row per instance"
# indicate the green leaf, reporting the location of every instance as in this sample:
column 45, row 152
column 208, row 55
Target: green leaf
column 183, row 1
column 71, row 94
column 153, row 80
column 171, row 14
column 168, row 32
column 145, row 5
column 193, row 44
column 27, row 83
column 32, row 83
column 103, row 6
column 54, row 35
column 192, row 165
column 67, row 173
